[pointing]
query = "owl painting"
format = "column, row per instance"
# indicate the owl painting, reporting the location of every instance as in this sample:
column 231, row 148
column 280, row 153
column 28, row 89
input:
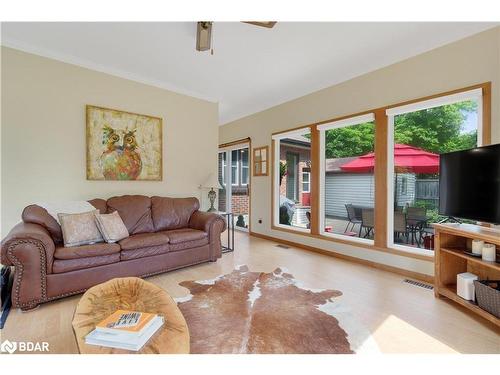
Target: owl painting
column 123, row 146
column 120, row 161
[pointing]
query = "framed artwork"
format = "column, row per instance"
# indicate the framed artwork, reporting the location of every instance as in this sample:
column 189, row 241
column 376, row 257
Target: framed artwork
column 260, row 161
column 123, row 145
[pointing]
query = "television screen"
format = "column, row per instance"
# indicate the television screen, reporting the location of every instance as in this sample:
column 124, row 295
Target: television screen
column 469, row 184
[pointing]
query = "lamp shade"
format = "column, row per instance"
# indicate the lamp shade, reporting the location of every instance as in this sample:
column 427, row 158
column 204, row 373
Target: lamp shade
column 211, row 181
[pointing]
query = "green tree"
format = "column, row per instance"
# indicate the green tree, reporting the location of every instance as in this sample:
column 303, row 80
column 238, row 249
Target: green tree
column 436, row 130
column 350, row 141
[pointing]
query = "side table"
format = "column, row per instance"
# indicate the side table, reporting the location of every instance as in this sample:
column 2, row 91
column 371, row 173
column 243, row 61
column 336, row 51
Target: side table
column 230, row 230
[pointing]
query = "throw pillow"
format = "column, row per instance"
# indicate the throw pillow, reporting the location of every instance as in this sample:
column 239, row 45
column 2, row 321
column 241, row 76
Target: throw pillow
column 79, row 229
column 111, row 226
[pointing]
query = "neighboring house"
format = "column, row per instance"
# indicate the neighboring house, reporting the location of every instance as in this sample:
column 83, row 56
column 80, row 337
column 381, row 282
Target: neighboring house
column 296, row 184
column 343, row 188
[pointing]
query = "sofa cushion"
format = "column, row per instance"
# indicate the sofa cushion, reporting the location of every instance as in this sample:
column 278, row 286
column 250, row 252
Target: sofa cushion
column 79, row 229
column 135, row 211
column 185, row 235
column 138, row 241
column 86, row 251
column 188, row 244
column 99, row 204
column 144, row 252
column 172, row 213
column 38, row 215
column 67, row 265
column 111, row 226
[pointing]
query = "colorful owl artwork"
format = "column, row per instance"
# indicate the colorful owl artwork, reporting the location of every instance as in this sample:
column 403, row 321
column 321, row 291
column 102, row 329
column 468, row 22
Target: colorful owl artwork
column 123, row 146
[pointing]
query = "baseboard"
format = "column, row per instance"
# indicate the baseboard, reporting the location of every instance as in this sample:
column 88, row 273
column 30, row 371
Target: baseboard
column 400, row 271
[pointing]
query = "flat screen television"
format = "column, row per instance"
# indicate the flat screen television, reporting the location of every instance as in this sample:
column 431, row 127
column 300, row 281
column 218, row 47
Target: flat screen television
column 469, row 184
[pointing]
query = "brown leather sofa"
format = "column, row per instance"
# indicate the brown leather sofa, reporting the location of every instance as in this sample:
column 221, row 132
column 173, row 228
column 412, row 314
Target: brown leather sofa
column 165, row 234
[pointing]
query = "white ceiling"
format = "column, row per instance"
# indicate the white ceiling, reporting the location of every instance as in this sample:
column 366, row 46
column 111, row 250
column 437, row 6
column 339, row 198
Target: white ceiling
column 253, row 68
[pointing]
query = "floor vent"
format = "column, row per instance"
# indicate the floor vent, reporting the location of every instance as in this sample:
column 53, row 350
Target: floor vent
column 282, row 246
column 419, row 284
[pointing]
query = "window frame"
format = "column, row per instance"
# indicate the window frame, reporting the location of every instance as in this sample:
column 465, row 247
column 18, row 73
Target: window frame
column 276, row 144
column 476, row 94
column 323, row 128
column 307, row 173
column 237, row 173
column 241, row 166
column 224, row 166
column 381, row 124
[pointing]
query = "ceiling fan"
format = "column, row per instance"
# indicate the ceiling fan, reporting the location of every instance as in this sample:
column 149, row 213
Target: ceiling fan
column 204, row 33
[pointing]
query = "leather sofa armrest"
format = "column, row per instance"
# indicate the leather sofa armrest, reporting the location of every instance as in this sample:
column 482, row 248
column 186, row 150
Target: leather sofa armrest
column 30, row 249
column 28, row 243
column 208, row 222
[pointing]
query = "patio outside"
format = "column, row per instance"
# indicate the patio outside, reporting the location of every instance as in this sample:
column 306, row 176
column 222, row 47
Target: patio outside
column 419, row 138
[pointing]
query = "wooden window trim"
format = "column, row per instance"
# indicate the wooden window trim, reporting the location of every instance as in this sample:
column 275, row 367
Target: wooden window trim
column 381, row 154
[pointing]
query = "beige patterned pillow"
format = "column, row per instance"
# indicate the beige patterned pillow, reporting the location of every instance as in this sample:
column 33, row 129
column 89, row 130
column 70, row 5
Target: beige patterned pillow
column 111, row 226
column 79, row 229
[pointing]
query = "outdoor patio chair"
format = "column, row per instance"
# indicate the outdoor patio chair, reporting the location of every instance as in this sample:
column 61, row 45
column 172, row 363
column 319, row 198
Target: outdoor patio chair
column 416, row 212
column 400, row 227
column 367, row 221
column 351, row 216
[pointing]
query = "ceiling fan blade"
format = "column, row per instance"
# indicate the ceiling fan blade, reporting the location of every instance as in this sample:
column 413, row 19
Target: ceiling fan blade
column 268, row 24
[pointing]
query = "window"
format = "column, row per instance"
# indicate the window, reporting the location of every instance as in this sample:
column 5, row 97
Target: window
column 222, row 196
column 306, row 181
column 418, row 134
column 244, row 178
column 239, row 167
column 347, row 182
column 222, row 168
column 404, row 185
column 235, row 167
column 260, row 161
column 292, row 181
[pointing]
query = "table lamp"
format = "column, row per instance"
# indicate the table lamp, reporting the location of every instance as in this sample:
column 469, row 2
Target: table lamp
column 212, row 182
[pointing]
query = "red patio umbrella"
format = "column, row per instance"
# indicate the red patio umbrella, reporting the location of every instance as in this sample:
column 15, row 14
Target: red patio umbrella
column 407, row 159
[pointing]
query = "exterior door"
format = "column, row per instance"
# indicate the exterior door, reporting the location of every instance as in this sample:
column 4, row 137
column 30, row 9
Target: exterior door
column 234, row 178
column 292, row 170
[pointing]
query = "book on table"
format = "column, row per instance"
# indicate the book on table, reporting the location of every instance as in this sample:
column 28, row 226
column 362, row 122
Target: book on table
column 125, row 330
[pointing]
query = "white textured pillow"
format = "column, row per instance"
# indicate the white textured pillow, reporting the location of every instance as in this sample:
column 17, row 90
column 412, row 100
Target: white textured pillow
column 111, row 226
column 79, row 229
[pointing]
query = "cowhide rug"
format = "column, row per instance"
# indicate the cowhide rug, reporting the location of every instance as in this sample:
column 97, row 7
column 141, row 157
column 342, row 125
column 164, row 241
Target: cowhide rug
column 257, row 312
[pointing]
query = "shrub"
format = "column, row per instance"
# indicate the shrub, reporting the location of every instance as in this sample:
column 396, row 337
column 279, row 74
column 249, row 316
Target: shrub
column 284, row 217
column 241, row 221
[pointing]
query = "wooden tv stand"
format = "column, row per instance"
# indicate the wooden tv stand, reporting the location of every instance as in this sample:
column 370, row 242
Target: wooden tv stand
column 450, row 260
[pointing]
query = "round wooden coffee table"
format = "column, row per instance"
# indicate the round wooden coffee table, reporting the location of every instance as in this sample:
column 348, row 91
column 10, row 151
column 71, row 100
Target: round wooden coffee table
column 131, row 293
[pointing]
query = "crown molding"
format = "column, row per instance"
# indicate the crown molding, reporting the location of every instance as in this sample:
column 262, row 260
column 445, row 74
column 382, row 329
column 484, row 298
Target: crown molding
column 87, row 64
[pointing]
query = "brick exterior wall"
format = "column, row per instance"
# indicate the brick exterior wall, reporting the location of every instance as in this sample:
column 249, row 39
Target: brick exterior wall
column 240, row 204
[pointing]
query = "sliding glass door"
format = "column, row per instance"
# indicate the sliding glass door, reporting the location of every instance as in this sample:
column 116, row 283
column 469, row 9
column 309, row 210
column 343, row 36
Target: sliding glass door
column 234, row 180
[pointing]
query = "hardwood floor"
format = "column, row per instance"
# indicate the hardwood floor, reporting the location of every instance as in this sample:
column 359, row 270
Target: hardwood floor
column 402, row 318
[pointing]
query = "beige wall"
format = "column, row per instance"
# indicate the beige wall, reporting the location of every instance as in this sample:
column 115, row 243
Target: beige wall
column 43, row 133
column 460, row 64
